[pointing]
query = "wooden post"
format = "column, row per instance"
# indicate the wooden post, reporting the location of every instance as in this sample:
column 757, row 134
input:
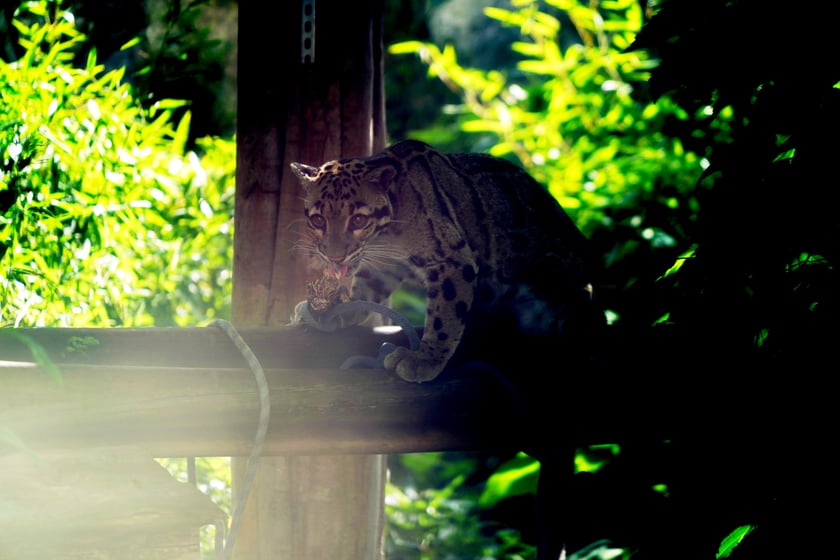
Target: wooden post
column 309, row 103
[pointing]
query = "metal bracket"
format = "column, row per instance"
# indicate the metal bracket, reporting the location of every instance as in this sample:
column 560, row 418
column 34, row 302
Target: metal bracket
column 307, row 32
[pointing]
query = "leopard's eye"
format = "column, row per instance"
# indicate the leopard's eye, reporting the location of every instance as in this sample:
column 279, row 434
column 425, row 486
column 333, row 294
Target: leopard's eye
column 358, row 221
column 318, row 221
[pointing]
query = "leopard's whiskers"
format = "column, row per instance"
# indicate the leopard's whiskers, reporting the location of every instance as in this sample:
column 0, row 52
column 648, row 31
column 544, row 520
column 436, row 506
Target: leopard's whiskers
column 377, row 254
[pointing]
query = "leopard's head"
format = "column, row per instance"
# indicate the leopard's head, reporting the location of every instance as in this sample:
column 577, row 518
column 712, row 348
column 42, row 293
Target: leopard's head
column 347, row 208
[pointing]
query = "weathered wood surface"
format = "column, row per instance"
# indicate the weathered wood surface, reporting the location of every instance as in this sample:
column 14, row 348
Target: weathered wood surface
column 324, row 106
column 187, row 392
column 195, row 347
column 98, row 503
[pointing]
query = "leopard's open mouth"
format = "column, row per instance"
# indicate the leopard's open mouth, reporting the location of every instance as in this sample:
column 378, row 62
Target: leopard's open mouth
column 340, row 267
column 337, row 267
column 339, row 271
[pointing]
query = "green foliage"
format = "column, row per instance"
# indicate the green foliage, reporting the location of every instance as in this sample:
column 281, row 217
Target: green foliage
column 520, row 474
column 577, row 114
column 703, row 178
column 443, row 505
column 575, row 117
column 105, row 218
column 444, row 523
column 183, row 57
column 764, row 222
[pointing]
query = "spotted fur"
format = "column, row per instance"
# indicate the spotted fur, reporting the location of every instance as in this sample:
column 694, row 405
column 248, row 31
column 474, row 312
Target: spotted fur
column 476, row 231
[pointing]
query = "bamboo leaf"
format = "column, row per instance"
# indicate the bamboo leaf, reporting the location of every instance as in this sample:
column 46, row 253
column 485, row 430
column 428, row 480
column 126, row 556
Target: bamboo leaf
column 732, row 540
column 39, row 354
column 515, row 477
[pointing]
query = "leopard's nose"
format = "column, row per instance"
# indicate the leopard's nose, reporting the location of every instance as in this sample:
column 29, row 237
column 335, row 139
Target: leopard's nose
column 336, row 260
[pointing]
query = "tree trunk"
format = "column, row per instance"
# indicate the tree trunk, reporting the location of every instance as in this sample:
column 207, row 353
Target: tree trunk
column 306, row 102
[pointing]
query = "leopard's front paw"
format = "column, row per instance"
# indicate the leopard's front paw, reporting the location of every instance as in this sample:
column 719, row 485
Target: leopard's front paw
column 414, row 365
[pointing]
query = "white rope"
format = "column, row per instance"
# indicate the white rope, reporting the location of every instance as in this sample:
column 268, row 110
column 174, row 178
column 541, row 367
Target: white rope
column 259, row 437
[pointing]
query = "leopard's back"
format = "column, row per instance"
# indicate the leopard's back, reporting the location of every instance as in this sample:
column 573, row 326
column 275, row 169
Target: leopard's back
column 520, row 234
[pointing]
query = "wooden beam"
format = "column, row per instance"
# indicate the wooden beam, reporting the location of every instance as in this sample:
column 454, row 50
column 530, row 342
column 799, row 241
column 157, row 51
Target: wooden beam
column 187, row 392
column 195, row 347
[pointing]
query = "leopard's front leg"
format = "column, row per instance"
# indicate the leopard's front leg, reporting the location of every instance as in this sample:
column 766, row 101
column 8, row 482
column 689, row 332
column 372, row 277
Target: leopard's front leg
column 450, row 288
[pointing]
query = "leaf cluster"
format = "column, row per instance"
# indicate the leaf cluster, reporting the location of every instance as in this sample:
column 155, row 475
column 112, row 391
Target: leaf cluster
column 442, row 519
column 577, row 113
column 105, row 218
column 573, row 115
column 181, row 56
column 766, row 242
column 697, row 152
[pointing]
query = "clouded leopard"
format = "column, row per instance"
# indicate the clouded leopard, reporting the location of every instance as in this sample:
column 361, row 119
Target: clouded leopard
column 476, row 231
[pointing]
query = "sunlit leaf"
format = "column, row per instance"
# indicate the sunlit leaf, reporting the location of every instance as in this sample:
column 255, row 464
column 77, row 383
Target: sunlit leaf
column 538, row 67
column 505, row 16
column 406, row 47
column 130, row 43
column 515, row 477
column 527, row 48
column 760, row 337
column 681, row 260
column 179, row 142
column 594, row 457
column 664, row 318
column 39, row 354
column 732, row 540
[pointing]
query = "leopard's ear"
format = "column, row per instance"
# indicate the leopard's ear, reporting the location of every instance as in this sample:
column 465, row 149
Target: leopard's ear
column 381, row 177
column 305, row 173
